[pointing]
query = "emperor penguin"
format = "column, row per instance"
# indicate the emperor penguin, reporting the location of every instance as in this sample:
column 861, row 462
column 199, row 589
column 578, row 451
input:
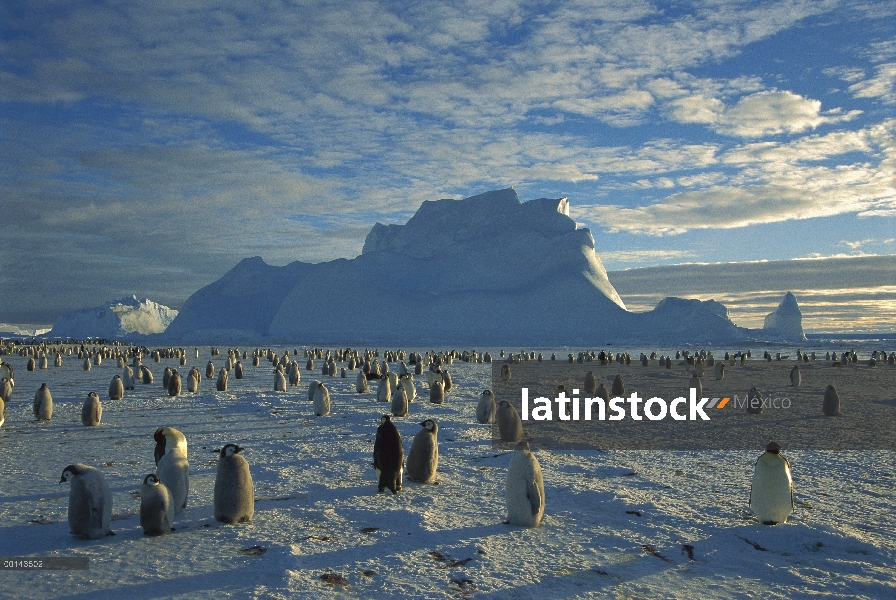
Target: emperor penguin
column 831, row 405
column 43, row 403
column 127, row 378
column 2, row 412
column 384, row 390
column 91, row 410
column 697, row 384
column 174, row 383
column 155, row 506
column 447, row 382
column 166, row 377
column 771, row 494
column 173, row 468
column 485, row 410
column 795, row 377
column 618, row 387
column 295, row 374
column 423, row 458
column 719, row 368
column 436, row 393
column 525, row 488
column 510, row 426
column 30, row 365
column 42, row 363
column 407, row 383
column 393, row 379
column 505, row 372
column 234, row 496
column 238, row 370
column 116, row 388
column 279, row 381
column 388, row 455
column 89, row 502
column 361, row 383
column 86, row 363
column 193, row 380
column 5, row 389
column 602, row 392
column 590, row 383
column 754, row 401
column 399, row 402
column 210, row 370
column 221, row 383
column 146, row 374
column 321, row 400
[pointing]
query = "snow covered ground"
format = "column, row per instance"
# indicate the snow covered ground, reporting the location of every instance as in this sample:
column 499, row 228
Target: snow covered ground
column 646, row 524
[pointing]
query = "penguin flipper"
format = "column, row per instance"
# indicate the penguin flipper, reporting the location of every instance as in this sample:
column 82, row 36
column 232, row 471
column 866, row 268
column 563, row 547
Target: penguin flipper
column 533, row 497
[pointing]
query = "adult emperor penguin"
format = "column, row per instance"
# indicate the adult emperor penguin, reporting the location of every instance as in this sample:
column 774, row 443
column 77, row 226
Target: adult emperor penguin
column 399, row 402
column 155, row 506
column 89, row 502
column 173, row 468
column 510, row 426
column 234, row 493
column 831, row 405
column 795, row 377
column 116, row 388
column 175, row 383
column 618, row 387
column 388, row 455
column 423, row 458
column 525, row 488
column 43, row 403
column 91, row 410
column 485, row 410
column 321, row 400
column 279, row 381
column 771, row 494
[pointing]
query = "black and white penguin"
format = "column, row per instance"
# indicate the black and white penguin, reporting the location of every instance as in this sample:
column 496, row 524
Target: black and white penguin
column 510, row 426
column 436, row 393
column 173, row 468
column 91, row 410
column 388, row 456
column 221, row 383
column 43, row 403
column 238, row 370
column 193, row 380
column 795, row 376
column 361, row 383
column 279, row 381
column 525, row 488
column 423, row 458
column 321, row 400
column 155, row 506
column 399, row 402
column 210, row 370
column 146, row 374
column 831, row 405
column 89, row 502
column 486, row 409
column 771, row 493
column 410, row 390
column 234, row 496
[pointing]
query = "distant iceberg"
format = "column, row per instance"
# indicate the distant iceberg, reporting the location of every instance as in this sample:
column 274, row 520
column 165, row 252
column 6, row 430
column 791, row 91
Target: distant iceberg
column 118, row 319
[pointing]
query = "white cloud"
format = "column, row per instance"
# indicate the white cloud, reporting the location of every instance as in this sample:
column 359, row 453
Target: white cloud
column 882, row 85
column 770, row 113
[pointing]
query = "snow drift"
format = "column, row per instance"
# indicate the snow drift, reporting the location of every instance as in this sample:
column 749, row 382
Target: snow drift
column 485, row 269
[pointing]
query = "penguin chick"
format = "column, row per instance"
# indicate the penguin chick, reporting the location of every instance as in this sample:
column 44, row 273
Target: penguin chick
column 155, row 506
column 510, row 426
column 89, row 502
column 43, row 403
column 173, row 467
column 423, row 458
column 485, row 410
column 525, row 488
column 91, row 410
column 234, row 496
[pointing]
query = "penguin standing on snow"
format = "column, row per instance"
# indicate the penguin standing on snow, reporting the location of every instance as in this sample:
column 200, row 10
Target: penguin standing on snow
column 423, row 458
column 795, row 377
column 91, row 410
column 155, row 506
column 234, row 492
column 771, row 494
column 173, row 467
column 43, row 403
column 485, row 410
column 436, row 393
column 361, row 383
column 89, row 502
column 510, row 426
column 388, row 456
column 221, row 383
column 525, row 488
column 175, row 383
column 399, row 402
column 321, row 400
column 279, row 381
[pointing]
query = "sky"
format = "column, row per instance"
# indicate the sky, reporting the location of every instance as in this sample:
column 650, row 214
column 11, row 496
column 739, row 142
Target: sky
column 146, row 147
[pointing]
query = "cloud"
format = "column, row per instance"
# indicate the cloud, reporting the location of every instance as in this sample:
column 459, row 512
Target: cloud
column 882, row 85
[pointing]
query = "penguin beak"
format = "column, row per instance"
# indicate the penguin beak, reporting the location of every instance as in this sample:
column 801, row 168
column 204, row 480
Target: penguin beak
column 238, row 449
column 62, row 480
column 423, row 424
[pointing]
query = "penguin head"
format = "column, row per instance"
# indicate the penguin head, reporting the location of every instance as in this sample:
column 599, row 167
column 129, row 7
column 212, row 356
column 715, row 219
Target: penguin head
column 117, row 377
column 92, row 394
column 503, row 403
column 230, row 450
column 151, row 479
column 386, row 419
column 159, row 436
column 430, row 425
column 773, row 448
column 69, row 473
column 523, row 446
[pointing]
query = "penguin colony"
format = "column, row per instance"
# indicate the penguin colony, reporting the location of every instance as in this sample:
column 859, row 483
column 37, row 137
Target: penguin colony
column 165, row 494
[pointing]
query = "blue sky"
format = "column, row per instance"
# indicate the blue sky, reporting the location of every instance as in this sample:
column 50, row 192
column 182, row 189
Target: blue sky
column 146, row 147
